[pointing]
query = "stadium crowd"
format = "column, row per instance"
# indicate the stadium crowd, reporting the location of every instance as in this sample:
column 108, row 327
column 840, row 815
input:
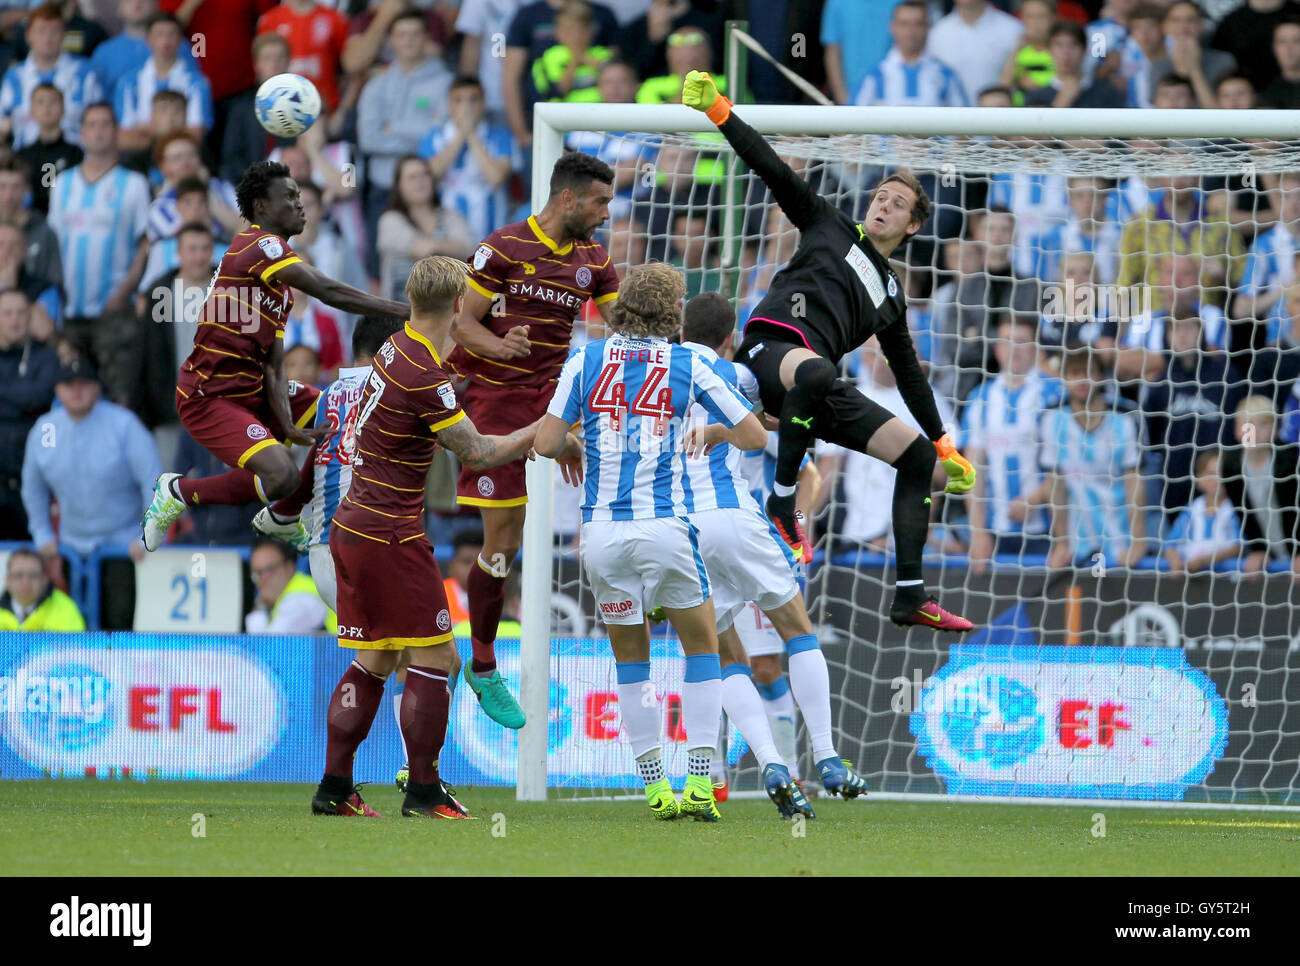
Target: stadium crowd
column 1166, row 432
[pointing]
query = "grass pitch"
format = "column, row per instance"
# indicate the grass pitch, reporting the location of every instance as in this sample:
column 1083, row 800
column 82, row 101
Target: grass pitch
column 92, row 828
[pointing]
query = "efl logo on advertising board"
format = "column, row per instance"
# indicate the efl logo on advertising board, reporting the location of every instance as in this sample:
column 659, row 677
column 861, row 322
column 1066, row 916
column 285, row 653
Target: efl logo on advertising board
column 202, row 712
column 585, row 744
column 1077, row 722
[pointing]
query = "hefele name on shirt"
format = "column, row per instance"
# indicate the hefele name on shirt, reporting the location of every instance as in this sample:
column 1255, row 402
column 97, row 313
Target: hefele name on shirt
column 868, row 273
column 656, row 354
column 536, row 290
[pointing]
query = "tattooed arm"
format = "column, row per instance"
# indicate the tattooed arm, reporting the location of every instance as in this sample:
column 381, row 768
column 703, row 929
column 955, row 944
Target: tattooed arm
column 478, row 452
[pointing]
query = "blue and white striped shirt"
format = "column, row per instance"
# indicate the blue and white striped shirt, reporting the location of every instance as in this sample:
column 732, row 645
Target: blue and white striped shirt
column 338, row 410
column 1113, row 36
column 1068, row 237
column 926, row 82
column 71, row 75
column 633, row 397
column 718, row 479
column 1002, row 423
column 463, row 187
column 133, row 99
column 1147, row 331
column 1198, row 533
column 1270, row 263
column 98, row 226
column 1093, row 466
column 1039, row 202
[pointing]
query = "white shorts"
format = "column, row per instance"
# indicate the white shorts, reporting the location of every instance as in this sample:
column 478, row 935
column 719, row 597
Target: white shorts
column 757, row 633
column 746, row 560
column 638, row 565
column 322, row 572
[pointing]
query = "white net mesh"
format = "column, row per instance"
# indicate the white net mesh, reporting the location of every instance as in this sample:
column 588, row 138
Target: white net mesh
column 1097, row 669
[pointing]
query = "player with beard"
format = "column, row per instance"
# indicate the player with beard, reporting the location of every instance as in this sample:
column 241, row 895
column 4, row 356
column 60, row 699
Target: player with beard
column 527, row 284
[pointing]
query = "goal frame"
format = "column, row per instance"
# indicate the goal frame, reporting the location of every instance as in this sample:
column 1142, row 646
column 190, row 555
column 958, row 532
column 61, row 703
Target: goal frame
column 552, row 121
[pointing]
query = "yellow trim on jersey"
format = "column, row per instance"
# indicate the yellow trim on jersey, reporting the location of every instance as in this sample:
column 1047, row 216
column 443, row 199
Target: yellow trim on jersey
column 449, row 421
column 410, row 360
column 256, row 448
column 279, row 333
column 513, row 261
column 504, row 365
column 233, row 355
column 607, row 297
column 391, row 516
column 546, row 239
column 309, row 415
column 395, row 643
column 227, row 295
column 495, row 382
column 335, row 523
column 480, row 289
column 409, row 539
column 399, row 489
column 424, row 342
column 366, row 452
column 282, row 263
column 479, row 501
column 398, row 435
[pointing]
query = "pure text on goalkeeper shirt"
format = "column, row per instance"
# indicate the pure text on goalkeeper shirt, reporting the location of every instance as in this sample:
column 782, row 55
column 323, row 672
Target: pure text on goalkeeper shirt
column 543, row 286
column 407, row 401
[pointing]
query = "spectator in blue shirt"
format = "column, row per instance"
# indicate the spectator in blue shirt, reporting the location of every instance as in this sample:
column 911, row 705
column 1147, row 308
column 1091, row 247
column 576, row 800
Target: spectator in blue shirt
column 1209, row 530
column 164, row 70
column 128, row 50
column 472, row 159
column 48, row 63
column 854, row 41
column 100, row 463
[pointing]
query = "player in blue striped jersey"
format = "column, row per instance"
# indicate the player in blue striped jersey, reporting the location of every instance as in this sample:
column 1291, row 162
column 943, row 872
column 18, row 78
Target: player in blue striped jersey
column 330, row 461
column 747, row 561
column 632, row 394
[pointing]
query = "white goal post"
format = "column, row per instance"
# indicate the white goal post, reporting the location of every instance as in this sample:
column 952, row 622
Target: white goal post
column 552, row 121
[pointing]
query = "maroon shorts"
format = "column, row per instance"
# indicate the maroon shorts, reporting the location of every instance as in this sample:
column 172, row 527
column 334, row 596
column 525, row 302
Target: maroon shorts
column 498, row 411
column 234, row 433
column 390, row 594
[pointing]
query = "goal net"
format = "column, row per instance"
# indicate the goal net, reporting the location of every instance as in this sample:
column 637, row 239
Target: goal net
column 1126, row 556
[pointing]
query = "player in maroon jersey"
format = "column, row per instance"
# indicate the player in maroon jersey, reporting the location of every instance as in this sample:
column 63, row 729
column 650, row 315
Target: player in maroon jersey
column 529, row 281
column 232, row 395
column 390, row 592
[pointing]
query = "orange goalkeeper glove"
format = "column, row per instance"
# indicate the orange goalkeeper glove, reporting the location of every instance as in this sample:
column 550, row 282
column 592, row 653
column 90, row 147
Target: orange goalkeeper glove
column 961, row 475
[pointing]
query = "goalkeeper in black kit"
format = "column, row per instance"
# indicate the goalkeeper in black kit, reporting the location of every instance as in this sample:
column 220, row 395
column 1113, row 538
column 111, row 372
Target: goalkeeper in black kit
column 835, row 293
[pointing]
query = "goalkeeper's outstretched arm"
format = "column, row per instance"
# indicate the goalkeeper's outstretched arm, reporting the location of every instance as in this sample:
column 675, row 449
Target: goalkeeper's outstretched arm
column 800, row 203
column 899, row 349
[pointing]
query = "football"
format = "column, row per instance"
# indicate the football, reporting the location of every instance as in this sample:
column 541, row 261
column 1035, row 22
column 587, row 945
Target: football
column 287, row 104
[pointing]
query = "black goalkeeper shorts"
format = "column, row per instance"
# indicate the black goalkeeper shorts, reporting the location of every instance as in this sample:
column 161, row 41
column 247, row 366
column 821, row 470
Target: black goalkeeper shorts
column 848, row 418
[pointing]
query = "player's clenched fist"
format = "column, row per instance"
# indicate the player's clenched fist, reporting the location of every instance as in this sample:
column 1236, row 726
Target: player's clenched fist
column 515, row 344
column 699, row 91
column 961, row 475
